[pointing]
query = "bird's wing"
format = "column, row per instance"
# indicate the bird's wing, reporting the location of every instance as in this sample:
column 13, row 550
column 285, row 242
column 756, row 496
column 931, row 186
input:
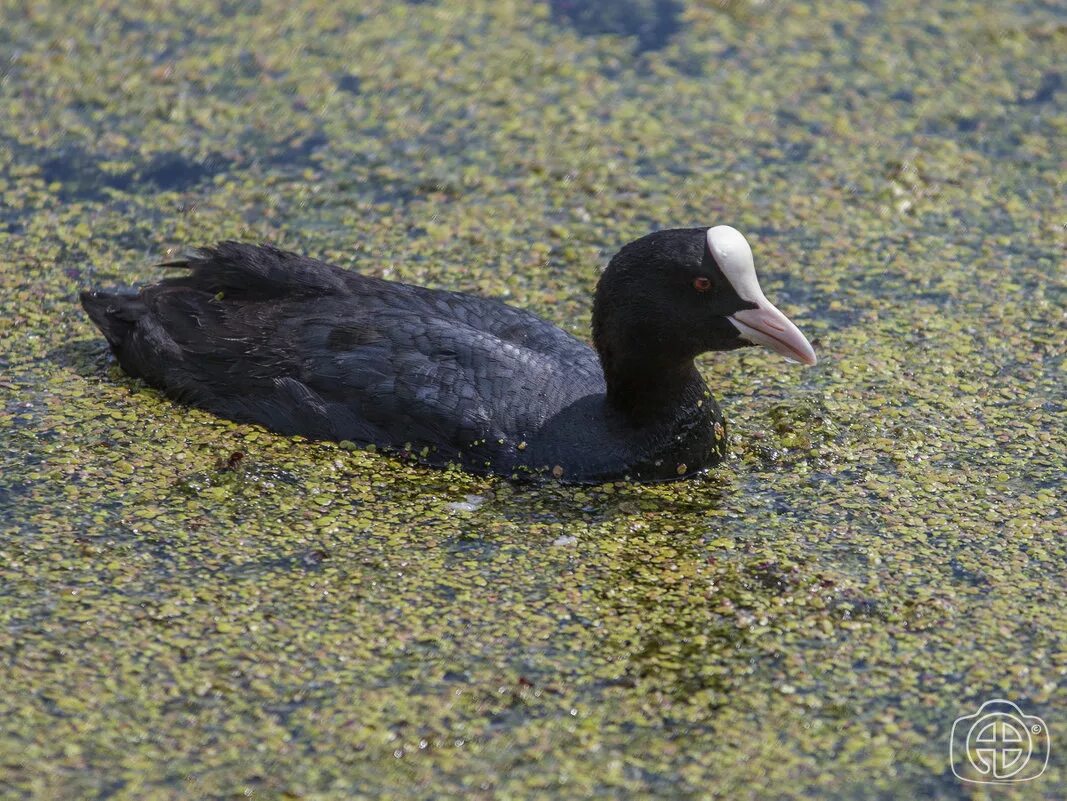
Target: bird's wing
column 305, row 348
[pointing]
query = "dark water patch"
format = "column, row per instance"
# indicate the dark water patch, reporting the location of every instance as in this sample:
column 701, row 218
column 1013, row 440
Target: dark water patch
column 967, row 576
column 787, row 117
column 1051, row 83
column 85, row 357
column 472, row 547
column 249, row 64
column 292, row 154
column 231, row 7
column 852, row 605
column 350, row 83
column 12, row 495
column 84, row 175
column 176, row 172
column 772, row 575
column 793, row 152
column 299, row 150
column 652, row 22
column 81, row 176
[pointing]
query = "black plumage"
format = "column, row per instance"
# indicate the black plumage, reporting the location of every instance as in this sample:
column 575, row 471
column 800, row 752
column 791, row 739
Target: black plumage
column 260, row 335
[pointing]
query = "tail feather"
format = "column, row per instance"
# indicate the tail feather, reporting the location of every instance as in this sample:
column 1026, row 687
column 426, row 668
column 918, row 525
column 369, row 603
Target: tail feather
column 181, row 263
column 254, row 271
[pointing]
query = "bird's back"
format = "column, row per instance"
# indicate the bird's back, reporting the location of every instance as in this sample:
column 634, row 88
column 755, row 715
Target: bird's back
column 257, row 334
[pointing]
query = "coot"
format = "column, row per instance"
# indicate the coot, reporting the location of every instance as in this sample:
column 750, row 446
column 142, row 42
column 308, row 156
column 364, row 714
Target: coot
column 259, row 335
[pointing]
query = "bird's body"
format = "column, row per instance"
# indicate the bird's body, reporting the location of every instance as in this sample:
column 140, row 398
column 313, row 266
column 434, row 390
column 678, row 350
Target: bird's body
column 259, row 335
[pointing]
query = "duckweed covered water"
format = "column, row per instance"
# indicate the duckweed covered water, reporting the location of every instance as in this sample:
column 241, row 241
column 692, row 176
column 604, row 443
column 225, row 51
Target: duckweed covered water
column 196, row 609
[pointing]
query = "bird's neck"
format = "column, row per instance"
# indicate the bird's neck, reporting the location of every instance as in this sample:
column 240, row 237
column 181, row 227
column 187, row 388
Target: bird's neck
column 648, row 391
column 648, row 368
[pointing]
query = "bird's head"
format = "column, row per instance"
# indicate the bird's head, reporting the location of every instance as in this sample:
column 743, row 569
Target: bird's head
column 672, row 295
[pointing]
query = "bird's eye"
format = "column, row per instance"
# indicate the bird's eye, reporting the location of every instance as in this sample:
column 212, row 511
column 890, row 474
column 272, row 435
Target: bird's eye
column 701, row 283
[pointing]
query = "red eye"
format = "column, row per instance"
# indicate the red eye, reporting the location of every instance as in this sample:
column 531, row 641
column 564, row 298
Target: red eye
column 701, row 283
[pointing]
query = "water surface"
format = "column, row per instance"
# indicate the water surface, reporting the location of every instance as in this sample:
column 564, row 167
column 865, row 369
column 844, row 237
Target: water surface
column 883, row 552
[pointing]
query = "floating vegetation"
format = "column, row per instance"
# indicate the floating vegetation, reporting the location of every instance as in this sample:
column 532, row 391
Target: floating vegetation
column 191, row 608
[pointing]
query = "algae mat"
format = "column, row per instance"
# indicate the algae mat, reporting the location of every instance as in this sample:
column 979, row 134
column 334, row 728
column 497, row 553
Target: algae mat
column 194, row 609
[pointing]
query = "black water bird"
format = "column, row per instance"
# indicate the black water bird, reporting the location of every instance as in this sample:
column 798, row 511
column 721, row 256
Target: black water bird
column 259, row 335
